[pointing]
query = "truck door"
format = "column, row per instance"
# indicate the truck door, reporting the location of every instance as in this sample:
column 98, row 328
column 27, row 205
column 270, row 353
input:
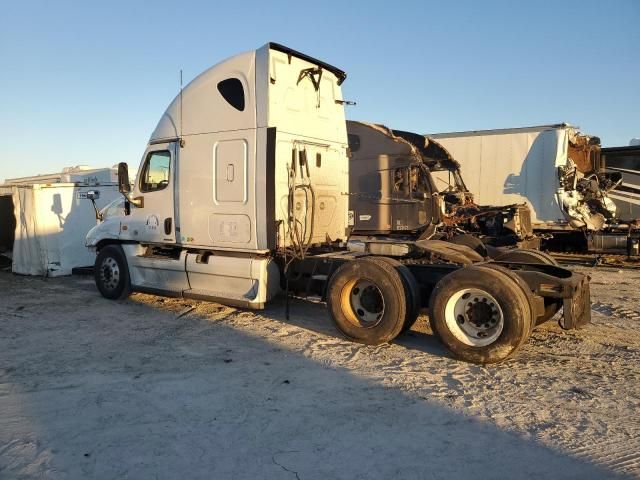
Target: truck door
column 154, row 192
column 429, row 211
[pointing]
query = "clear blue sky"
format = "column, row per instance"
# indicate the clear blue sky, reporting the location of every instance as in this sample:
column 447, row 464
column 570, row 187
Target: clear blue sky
column 85, row 82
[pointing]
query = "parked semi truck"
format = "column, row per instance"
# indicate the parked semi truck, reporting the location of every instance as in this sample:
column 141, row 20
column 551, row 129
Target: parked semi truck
column 557, row 171
column 243, row 192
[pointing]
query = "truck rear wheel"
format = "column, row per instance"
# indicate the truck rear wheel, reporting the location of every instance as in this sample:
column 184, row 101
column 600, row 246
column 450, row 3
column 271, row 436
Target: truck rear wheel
column 412, row 290
column 111, row 273
column 367, row 301
column 523, row 286
column 551, row 305
column 480, row 314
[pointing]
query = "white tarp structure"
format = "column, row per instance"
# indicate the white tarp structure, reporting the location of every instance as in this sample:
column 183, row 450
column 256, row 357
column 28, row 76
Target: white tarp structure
column 52, row 220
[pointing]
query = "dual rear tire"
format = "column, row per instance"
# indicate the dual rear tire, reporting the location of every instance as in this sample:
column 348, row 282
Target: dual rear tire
column 411, row 287
column 483, row 314
column 367, row 300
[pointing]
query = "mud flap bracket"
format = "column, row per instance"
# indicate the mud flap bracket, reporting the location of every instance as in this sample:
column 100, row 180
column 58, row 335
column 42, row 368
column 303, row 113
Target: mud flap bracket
column 577, row 308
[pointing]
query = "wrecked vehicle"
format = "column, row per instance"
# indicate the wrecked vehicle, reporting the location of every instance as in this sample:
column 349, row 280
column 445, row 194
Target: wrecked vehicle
column 403, row 184
column 584, row 187
column 585, row 197
column 554, row 169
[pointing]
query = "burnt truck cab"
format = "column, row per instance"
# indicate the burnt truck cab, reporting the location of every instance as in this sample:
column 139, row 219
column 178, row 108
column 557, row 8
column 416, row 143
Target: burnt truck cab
column 402, row 183
column 390, row 188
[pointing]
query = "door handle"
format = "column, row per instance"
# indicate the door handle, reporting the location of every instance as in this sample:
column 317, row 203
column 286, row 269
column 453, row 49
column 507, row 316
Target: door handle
column 167, row 226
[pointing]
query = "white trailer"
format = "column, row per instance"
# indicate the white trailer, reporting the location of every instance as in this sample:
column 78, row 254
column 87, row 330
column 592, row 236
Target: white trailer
column 243, row 192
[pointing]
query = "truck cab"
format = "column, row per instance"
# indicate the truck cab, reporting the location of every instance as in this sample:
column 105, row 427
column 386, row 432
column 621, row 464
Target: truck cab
column 391, row 189
column 248, row 158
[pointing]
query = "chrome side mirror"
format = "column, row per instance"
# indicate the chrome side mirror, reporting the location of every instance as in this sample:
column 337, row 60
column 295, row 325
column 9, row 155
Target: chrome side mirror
column 93, row 194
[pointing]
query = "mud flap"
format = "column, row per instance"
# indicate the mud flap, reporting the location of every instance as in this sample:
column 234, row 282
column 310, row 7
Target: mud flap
column 577, row 308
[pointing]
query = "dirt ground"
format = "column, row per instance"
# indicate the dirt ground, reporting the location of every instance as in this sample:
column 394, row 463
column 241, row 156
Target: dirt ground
column 155, row 388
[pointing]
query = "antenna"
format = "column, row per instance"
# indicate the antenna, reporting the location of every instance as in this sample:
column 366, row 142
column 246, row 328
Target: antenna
column 181, row 140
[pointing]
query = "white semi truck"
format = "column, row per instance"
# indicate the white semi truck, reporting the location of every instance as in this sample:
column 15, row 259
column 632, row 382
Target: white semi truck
column 243, row 192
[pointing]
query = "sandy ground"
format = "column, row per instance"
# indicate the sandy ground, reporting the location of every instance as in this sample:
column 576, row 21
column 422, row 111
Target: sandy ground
column 154, row 388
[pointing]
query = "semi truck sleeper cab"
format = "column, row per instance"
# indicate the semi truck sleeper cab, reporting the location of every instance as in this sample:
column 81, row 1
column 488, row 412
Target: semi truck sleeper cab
column 242, row 192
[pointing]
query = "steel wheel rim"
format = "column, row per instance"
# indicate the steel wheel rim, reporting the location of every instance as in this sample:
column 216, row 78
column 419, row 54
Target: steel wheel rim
column 110, row 273
column 474, row 317
column 362, row 303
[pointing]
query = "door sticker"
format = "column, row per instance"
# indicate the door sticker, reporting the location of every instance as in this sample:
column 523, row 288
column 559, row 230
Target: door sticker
column 152, row 223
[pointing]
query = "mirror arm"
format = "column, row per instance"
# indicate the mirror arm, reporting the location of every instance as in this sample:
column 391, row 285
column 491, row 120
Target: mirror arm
column 95, row 208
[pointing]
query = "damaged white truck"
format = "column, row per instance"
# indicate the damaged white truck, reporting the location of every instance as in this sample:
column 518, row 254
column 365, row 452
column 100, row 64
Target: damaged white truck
column 557, row 171
column 243, row 192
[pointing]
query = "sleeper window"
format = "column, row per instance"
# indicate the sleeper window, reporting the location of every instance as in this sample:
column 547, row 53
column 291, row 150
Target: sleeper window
column 233, row 92
column 155, row 172
column 354, row 142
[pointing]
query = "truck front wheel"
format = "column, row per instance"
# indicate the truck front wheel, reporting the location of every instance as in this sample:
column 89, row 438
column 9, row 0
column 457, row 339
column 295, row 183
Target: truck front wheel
column 111, row 273
column 481, row 315
column 367, row 301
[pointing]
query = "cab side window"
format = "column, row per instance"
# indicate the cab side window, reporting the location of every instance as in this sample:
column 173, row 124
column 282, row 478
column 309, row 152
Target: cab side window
column 155, row 171
column 420, row 181
column 233, row 92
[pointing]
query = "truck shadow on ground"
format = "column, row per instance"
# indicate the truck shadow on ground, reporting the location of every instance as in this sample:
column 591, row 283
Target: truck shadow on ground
column 93, row 388
column 315, row 317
